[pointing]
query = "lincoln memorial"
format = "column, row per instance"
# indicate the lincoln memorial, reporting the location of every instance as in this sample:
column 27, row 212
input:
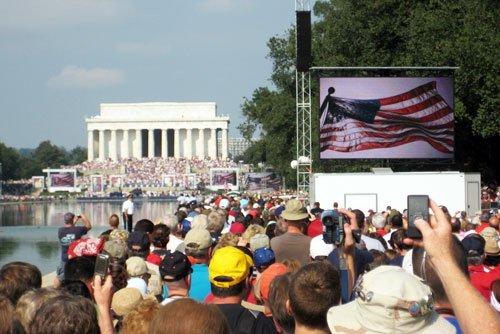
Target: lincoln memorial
column 159, row 129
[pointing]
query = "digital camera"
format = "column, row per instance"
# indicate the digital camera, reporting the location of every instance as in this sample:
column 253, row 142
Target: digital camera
column 333, row 227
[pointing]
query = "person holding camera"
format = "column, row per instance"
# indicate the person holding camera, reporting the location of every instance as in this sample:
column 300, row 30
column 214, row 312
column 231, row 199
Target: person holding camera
column 69, row 233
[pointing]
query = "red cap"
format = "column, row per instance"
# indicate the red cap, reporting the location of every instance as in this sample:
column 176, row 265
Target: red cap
column 237, row 228
column 267, row 276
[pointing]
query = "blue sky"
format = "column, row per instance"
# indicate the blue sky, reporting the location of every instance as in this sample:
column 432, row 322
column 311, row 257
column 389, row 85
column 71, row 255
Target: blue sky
column 60, row 58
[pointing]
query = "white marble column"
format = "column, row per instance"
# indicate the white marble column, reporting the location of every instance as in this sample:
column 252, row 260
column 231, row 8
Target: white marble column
column 126, row 152
column 138, row 144
column 90, row 145
column 101, row 145
column 212, row 144
column 200, row 148
column 188, row 148
column 164, row 143
column 151, row 143
column 224, row 144
column 112, row 146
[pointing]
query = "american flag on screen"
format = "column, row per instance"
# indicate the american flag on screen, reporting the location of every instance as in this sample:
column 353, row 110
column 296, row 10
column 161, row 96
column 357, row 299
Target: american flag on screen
column 420, row 114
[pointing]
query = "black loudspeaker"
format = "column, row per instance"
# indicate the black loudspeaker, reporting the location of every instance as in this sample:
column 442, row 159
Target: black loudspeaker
column 303, row 41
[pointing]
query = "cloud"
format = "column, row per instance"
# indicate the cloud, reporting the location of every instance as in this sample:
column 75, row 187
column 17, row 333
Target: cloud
column 77, row 77
column 36, row 15
column 142, row 49
column 220, row 5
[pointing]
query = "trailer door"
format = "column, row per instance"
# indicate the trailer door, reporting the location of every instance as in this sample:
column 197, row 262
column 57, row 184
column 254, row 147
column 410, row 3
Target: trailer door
column 473, row 198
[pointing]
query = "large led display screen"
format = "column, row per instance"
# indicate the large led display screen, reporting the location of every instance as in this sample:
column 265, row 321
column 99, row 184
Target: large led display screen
column 386, row 118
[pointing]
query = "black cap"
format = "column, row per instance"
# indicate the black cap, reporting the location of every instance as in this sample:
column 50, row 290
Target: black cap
column 138, row 241
column 474, row 244
column 175, row 266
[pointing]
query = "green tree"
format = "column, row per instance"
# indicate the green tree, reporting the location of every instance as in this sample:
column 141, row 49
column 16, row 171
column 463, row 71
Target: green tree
column 461, row 33
column 10, row 160
column 50, row 155
column 77, row 155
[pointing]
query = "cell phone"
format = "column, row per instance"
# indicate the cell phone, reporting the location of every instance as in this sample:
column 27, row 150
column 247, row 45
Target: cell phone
column 101, row 265
column 418, row 207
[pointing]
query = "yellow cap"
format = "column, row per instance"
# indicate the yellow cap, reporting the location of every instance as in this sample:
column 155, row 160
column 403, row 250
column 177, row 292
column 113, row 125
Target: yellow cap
column 229, row 266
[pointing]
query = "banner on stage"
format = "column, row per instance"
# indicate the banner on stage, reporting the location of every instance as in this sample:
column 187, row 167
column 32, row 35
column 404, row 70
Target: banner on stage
column 263, row 182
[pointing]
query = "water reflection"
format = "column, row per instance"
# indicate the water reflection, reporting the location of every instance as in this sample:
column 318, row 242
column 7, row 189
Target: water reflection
column 28, row 232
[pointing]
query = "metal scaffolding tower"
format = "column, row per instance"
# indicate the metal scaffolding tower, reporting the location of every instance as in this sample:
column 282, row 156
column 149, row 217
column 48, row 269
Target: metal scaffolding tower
column 303, row 118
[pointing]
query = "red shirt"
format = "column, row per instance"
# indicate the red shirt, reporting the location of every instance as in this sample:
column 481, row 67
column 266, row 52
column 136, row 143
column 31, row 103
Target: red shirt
column 381, row 232
column 482, row 277
column 481, row 227
column 315, row 228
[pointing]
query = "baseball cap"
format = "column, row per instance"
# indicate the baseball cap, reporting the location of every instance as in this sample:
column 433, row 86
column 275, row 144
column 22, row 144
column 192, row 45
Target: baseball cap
column 125, row 300
column 138, row 241
column 294, row 210
column 490, row 236
column 136, row 266
column 378, row 220
column 383, row 293
column 175, row 266
column 243, row 203
column 318, row 247
column 267, row 276
column 116, row 248
column 258, row 241
column 279, row 210
column 229, row 266
column 473, row 244
column 197, row 240
column 237, row 228
column 263, row 257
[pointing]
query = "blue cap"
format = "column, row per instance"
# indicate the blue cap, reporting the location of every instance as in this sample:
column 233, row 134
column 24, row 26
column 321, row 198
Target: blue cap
column 263, row 257
column 279, row 210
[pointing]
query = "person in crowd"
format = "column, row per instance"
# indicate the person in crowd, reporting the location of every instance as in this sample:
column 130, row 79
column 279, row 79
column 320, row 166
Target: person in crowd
column 29, row 303
column 198, row 243
column 260, row 240
column 394, row 221
column 427, row 271
column 175, row 271
column 370, row 243
column 6, row 315
column 207, row 319
column 437, row 242
column 69, row 233
column 377, row 301
column 138, row 320
column 293, row 244
column 494, row 222
column 76, row 288
column 175, row 236
column 215, row 225
column 18, row 277
column 481, row 276
column 491, row 247
column 138, row 244
column 398, row 245
column 229, row 273
column 263, row 285
column 123, row 302
column 484, row 221
column 379, row 259
column 159, row 241
column 66, row 314
column 319, row 249
column 379, row 221
column 315, row 227
column 80, row 269
column 128, row 212
column 278, row 296
column 113, row 223
column 313, row 290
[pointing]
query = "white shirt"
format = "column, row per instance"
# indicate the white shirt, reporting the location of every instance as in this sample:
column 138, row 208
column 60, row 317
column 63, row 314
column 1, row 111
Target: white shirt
column 128, row 207
column 372, row 243
column 387, row 237
column 173, row 243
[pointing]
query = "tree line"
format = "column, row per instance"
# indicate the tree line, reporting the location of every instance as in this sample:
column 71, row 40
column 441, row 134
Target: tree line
column 461, row 33
column 25, row 163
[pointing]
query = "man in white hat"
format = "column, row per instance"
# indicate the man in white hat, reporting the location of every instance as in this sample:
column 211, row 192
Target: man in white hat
column 293, row 245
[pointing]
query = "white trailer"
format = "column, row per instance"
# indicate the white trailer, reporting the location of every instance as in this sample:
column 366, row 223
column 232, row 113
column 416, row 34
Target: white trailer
column 364, row 191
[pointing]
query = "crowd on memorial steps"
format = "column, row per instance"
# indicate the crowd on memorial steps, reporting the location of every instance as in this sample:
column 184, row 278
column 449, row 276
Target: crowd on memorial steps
column 260, row 264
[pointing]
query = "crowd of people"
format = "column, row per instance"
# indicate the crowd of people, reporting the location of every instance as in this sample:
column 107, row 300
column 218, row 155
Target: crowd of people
column 227, row 264
column 151, row 172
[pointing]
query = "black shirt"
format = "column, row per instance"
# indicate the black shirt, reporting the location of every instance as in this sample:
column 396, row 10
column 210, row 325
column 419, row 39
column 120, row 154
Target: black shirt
column 242, row 321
